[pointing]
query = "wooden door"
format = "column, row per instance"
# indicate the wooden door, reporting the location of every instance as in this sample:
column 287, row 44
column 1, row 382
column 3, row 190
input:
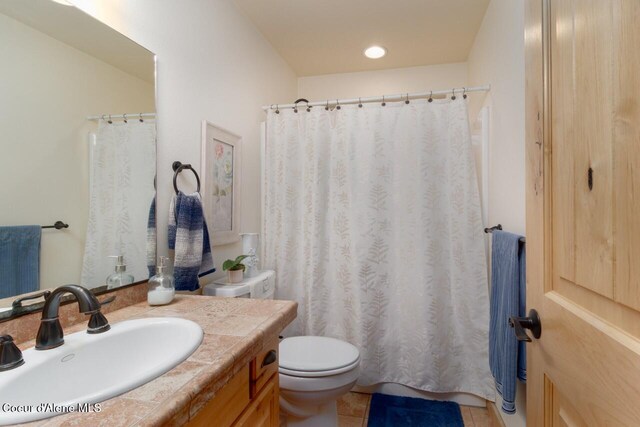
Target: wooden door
column 583, row 211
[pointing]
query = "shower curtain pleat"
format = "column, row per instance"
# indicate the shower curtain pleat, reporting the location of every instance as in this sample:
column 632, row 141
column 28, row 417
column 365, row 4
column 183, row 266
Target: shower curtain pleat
column 373, row 225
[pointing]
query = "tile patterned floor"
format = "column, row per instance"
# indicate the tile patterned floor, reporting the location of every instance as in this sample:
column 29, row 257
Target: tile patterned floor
column 353, row 411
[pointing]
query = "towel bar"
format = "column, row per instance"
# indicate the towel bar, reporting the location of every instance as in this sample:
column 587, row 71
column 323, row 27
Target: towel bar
column 499, row 227
column 59, row 225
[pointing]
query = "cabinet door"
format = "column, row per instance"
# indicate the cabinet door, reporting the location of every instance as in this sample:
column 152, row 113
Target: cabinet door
column 264, row 366
column 227, row 405
column 583, row 213
column 264, row 411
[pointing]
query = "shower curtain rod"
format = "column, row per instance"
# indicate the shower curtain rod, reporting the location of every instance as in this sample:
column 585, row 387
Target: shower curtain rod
column 384, row 98
column 131, row 116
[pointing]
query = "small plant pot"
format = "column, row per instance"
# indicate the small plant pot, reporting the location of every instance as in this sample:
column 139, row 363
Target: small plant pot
column 236, row 276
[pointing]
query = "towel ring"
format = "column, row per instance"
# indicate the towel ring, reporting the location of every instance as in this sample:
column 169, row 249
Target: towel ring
column 179, row 167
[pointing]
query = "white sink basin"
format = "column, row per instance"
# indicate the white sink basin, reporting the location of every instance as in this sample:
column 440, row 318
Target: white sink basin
column 89, row 369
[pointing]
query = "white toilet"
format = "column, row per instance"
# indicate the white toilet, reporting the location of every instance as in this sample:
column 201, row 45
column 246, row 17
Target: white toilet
column 314, row 373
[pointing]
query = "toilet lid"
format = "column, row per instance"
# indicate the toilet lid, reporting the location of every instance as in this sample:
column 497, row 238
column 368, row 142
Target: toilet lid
column 316, row 354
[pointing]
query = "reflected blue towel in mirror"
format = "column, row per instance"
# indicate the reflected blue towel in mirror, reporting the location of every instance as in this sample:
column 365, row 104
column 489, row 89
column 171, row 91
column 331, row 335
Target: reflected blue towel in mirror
column 19, row 260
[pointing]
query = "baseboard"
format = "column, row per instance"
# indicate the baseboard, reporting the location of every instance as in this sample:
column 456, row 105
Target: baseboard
column 495, row 419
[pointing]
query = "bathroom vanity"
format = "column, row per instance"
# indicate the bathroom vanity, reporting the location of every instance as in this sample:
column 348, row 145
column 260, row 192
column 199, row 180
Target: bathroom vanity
column 250, row 398
column 230, row 380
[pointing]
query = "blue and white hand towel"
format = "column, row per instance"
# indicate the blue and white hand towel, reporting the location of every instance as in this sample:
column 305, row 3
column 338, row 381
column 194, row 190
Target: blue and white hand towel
column 189, row 238
column 508, row 290
column 152, row 237
column 19, row 259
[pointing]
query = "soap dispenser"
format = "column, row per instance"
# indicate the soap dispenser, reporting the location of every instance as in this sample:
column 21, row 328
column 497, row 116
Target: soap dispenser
column 161, row 288
column 120, row 277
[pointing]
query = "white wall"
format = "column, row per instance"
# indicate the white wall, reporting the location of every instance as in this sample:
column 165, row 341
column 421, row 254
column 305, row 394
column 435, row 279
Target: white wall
column 497, row 58
column 212, row 64
column 46, row 97
column 382, row 82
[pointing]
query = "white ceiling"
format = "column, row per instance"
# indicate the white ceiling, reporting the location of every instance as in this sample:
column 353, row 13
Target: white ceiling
column 328, row 36
column 79, row 30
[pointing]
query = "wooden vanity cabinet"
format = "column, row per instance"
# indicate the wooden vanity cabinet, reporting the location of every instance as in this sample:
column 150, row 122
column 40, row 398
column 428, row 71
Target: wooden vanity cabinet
column 250, row 399
column 264, row 410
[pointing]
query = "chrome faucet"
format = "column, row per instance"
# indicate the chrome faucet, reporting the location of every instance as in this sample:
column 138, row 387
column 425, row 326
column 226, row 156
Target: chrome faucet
column 50, row 334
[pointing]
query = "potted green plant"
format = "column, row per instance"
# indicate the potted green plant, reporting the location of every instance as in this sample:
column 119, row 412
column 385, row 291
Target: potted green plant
column 235, row 267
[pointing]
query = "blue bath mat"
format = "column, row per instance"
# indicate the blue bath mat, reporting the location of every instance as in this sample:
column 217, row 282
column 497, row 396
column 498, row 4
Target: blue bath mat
column 395, row 411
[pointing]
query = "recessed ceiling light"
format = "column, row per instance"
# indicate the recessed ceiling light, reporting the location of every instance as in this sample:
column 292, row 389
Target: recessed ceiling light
column 64, row 2
column 375, row 52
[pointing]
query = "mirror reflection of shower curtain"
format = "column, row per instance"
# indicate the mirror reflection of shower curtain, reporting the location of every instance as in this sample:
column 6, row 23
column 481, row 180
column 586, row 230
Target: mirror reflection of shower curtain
column 122, row 168
column 372, row 221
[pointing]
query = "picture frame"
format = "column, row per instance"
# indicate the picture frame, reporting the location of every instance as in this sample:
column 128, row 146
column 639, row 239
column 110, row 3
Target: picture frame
column 221, row 169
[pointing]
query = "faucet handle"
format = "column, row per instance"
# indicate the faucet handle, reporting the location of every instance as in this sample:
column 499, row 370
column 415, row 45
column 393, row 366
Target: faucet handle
column 18, row 303
column 97, row 322
column 107, row 301
column 10, row 354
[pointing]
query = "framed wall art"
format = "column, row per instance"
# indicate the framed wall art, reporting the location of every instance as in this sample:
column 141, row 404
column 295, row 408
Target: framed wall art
column 221, row 183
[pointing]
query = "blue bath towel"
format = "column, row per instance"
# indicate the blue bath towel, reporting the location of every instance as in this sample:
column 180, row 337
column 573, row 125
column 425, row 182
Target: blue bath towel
column 507, row 357
column 189, row 238
column 19, row 260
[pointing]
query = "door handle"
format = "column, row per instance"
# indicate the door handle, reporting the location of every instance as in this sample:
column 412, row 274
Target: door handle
column 531, row 322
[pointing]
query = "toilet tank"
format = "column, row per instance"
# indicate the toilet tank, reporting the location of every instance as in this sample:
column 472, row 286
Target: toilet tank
column 263, row 285
column 260, row 286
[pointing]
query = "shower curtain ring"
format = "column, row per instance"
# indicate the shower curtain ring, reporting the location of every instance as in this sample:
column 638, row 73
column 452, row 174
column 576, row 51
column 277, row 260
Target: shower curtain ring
column 337, row 104
column 464, row 93
column 431, row 97
column 327, row 106
column 407, row 100
column 383, row 102
column 140, row 118
column 308, row 108
column 359, row 102
column 277, row 109
column 453, row 94
column 110, row 121
column 124, row 116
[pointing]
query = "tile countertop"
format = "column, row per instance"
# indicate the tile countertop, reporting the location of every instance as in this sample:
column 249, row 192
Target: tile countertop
column 235, row 329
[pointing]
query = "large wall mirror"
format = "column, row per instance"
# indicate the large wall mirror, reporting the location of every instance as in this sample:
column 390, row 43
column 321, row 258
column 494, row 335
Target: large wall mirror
column 78, row 143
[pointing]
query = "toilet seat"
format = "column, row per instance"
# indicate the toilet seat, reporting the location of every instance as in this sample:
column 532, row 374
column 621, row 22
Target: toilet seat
column 292, row 383
column 313, row 356
column 316, row 374
column 313, row 373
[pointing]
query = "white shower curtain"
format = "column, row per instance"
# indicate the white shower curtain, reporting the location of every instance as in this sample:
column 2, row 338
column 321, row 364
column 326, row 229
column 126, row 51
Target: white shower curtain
column 373, row 224
column 122, row 168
